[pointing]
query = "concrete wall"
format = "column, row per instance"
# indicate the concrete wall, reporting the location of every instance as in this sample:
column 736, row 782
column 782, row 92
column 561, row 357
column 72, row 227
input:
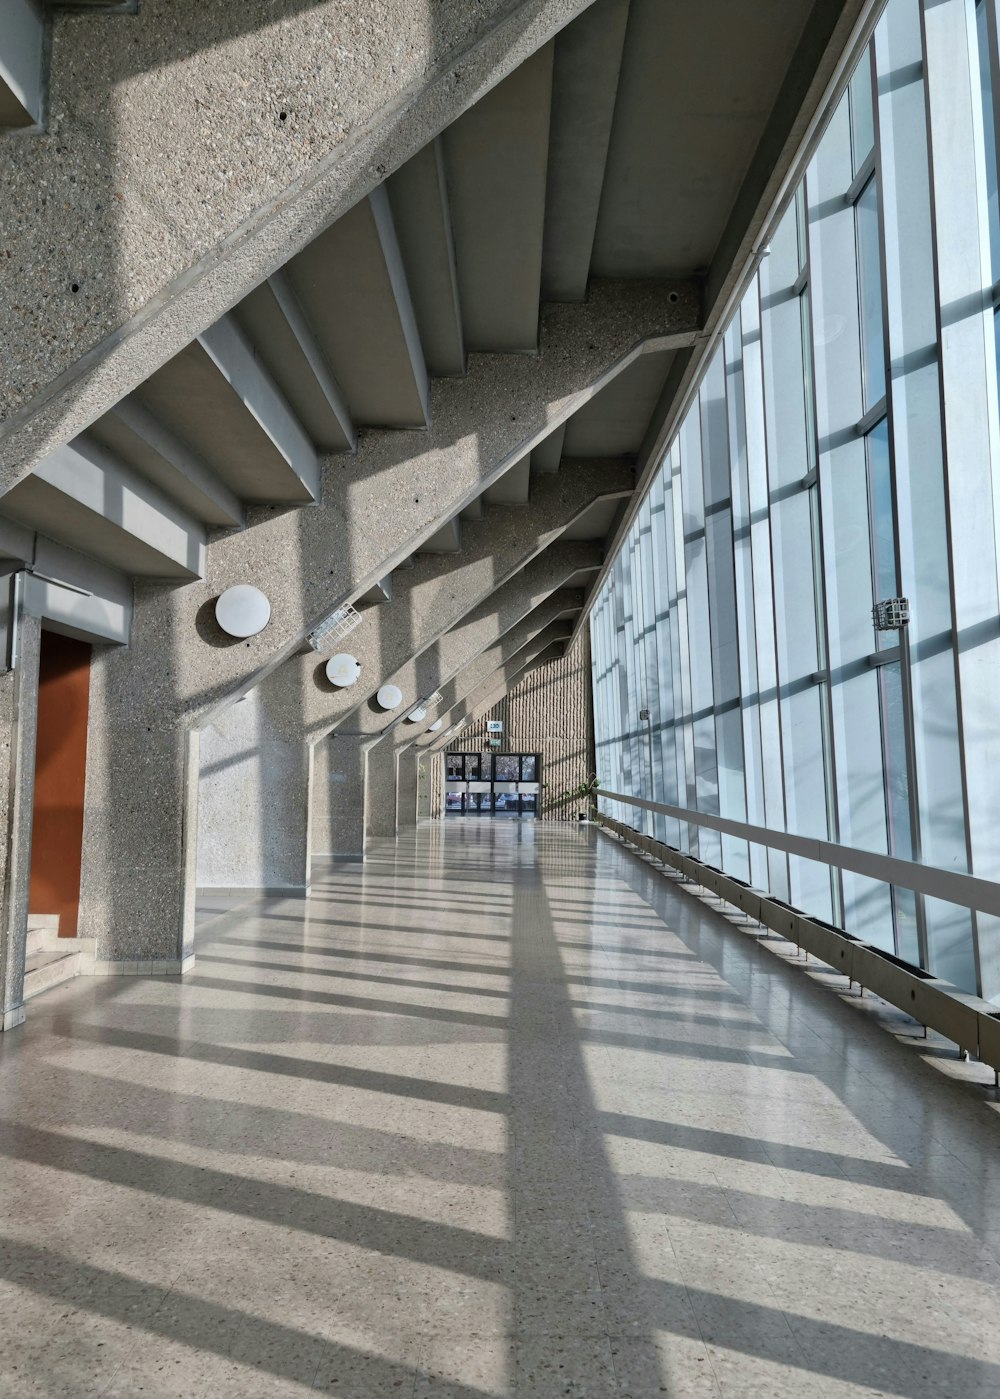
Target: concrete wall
column 253, row 801
column 338, row 796
column 549, row 712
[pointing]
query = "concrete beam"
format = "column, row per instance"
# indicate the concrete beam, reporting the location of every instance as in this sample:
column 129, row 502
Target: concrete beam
column 22, row 52
column 84, row 497
column 438, row 593
column 536, row 592
column 418, row 193
column 132, row 431
column 500, row 638
column 400, row 487
column 501, row 680
column 159, row 249
column 512, row 487
column 548, row 454
column 511, row 649
column 447, row 540
column 294, row 317
column 588, row 59
column 385, row 225
column 228, row 348
column 382, row 761
column 374, row 510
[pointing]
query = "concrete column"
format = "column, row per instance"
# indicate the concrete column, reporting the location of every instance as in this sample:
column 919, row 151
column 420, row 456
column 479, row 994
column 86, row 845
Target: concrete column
column 406, row 790
column 254, row 797
column 18, row 724
column 380, row 791
column 338, row 794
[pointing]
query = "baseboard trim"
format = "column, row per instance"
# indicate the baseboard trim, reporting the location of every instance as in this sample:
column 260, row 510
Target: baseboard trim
column 254, row 891
column 159, row 966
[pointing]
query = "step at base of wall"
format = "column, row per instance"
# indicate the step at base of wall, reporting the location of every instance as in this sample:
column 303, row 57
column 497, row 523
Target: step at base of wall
column 43, row 932
column 49, row 966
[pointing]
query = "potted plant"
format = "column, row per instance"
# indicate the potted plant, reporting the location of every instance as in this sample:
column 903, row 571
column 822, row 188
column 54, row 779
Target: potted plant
column 585, row 791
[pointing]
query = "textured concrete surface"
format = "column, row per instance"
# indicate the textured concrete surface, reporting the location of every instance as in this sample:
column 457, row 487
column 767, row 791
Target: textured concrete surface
column 400, row 487
column 482, row 656
column 497, row 672
column 253, row 794
column 382, row 795
column 547, row 712
column 338, row 796
column 440, row 591
column 380, row 791
column 378, row 506
column 279, row 115
column 478, row 676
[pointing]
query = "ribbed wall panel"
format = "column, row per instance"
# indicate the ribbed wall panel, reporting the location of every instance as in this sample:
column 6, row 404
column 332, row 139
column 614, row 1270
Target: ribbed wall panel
column 548, row 712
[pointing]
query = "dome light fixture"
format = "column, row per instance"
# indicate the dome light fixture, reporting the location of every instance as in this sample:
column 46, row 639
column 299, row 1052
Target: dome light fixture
column 416, row 715
column 343, row 670
column 242, row 610
column 390, row 697
column 435, row 726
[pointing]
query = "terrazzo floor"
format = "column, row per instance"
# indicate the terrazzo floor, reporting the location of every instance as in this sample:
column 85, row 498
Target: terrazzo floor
column 502, row 1112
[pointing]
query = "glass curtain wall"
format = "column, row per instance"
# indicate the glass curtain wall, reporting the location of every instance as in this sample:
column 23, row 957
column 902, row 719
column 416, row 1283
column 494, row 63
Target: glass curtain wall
column 842, row 450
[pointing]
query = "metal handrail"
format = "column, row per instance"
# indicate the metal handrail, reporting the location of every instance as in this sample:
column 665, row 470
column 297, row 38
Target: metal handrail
column 952, row 886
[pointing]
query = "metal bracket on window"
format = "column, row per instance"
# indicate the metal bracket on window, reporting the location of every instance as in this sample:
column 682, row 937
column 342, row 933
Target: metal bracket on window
column 809, row 479
column 872, row 418
column 857, row 185
column 820, row 677
column 801, row 282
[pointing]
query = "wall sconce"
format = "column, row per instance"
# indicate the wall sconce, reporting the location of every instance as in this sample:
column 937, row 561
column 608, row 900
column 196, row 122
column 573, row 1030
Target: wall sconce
column 390, row 697
column 342, row 670
column 242, row 611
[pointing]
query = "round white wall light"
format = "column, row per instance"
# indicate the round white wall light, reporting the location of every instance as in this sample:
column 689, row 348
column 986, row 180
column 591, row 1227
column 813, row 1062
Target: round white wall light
column 242, row 611
column 390, row 697
column 342, row 669
column 436, row 725
column 415, row 715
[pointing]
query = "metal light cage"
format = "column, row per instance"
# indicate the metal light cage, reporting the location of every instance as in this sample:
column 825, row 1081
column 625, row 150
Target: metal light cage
column 891, row 614
column 338, row 625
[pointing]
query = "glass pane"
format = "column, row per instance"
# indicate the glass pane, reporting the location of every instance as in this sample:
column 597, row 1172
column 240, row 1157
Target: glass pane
column 883, row 529
column 989, row 134
column 506, row 767
column 529, row 768
column 897, row 785
column 870, row 292
column 862, row 119
column 472, row 766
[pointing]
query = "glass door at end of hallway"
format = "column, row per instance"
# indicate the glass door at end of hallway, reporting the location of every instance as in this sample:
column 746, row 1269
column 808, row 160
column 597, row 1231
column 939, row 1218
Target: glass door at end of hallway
column 492, row 784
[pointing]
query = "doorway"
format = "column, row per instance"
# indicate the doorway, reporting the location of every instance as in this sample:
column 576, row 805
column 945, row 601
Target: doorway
column 492, row 784
column 60, row 780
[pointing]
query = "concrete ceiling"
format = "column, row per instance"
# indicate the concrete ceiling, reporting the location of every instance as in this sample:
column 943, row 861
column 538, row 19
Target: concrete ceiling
column 617, row 150
column 699, row 79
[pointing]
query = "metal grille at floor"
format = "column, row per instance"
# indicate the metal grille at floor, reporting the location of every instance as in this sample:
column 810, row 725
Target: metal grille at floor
column 492, row 784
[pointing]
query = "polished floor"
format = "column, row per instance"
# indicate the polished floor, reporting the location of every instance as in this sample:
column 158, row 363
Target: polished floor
column 502, row 1112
